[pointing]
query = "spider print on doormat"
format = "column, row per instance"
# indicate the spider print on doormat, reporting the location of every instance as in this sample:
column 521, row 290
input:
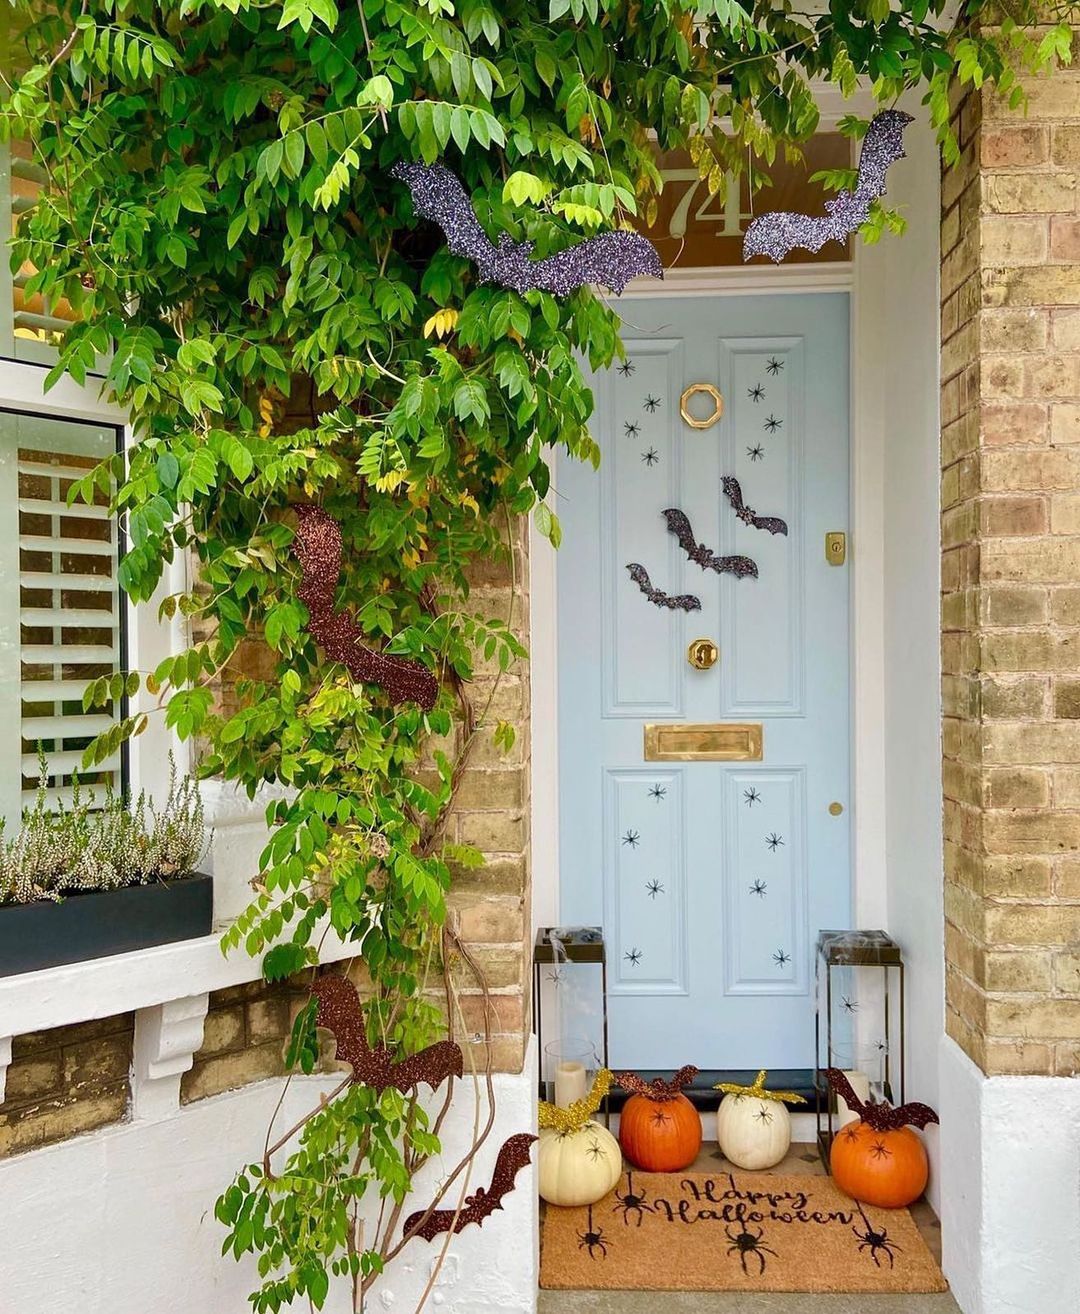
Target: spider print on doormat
column 734, row 1232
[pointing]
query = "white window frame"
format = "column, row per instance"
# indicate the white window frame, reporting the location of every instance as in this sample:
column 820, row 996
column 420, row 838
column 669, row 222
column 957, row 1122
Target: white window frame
column 149, row 640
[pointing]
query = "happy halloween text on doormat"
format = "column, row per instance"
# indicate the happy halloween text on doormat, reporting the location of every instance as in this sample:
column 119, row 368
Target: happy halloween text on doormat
column 734, row 1232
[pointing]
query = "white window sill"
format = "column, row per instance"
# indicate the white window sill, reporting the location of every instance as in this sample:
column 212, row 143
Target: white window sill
column 168, row 989
column 122, row 983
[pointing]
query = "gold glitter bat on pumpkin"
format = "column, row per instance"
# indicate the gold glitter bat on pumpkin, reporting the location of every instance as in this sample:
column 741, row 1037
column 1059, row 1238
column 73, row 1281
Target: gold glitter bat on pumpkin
column 758, row 1092
column 576, row 1115
column 513, row 1156
column 339, row 1010
column 611, row 259
column 317, row 546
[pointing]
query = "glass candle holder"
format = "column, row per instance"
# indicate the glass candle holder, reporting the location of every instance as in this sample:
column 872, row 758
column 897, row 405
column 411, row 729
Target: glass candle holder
column 571, row 1066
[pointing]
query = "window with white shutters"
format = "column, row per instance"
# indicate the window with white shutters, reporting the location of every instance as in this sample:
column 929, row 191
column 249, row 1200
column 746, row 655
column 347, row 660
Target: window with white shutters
column 61, row 616
column 30, row 326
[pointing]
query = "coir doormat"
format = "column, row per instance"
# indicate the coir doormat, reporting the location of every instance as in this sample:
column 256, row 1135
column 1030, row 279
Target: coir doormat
column 734, row 1232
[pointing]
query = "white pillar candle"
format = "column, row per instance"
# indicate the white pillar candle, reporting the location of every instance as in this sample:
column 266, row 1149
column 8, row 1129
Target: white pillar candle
column 860, row 1084
column 569, row 1082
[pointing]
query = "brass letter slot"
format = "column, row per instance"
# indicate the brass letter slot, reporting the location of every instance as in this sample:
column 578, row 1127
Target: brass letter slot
column 719, row 741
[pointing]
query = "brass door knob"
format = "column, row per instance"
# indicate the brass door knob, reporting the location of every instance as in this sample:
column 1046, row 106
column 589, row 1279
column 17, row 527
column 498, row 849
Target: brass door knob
column 702, row 654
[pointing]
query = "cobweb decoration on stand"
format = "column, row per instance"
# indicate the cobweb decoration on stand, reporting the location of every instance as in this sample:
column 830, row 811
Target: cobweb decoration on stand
column 611, row 259
column 778, row 232
column 317, row 546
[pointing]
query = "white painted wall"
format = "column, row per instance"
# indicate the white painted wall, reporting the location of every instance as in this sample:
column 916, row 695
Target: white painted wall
column 121, row 1221
column 907, row 341
column 1010, row 1213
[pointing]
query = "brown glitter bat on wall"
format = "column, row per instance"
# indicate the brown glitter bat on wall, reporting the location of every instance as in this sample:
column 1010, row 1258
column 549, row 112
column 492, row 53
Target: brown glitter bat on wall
column 339, row 1010
column 317, row 546
column 513, row 1156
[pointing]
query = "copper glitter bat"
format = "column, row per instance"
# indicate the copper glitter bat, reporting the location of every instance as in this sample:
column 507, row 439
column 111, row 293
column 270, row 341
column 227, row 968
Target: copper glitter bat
column 747, row 514
column 612, row 259
column 513, row 1156
column 779, row 231
column 317, row 546
column 679, row 602
column 882, row 1117
column 658, row 1089
column 679, row 525
column 339, row 1010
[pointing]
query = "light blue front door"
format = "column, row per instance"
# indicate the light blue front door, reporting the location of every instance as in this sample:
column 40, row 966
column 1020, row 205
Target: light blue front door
column 711, row 878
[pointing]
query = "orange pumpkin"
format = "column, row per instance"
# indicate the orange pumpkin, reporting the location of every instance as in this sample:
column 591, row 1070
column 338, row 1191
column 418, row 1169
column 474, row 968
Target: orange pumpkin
column 884, row 1168
column 659, row 1129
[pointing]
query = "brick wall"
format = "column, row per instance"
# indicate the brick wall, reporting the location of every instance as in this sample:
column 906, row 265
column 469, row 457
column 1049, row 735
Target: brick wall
column 244, row 1039
column 66, row 1081
column 491, row 903
column 1011, row 580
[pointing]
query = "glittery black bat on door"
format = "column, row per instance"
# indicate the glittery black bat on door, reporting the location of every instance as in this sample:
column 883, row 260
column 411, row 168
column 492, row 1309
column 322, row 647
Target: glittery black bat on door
column 513, row 1156
column 611, row 259
column 747, row 514
column 702, row 556
column 679, row 602
column 777, row 232
column 317, row 546
column 339, row 1010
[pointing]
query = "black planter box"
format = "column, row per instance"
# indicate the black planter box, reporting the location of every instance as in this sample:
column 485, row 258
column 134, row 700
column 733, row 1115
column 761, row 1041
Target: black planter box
column 102, row 922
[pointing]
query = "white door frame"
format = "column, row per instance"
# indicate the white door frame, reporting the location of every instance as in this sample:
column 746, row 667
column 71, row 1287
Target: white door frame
column 866, row 564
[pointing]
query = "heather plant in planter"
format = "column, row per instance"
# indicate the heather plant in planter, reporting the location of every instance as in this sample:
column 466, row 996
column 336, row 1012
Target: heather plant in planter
column 99, row 876
column 297, row 351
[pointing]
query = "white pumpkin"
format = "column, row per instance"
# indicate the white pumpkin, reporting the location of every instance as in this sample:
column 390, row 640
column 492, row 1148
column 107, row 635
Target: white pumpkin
column 578, row 1167
column 753, row 1133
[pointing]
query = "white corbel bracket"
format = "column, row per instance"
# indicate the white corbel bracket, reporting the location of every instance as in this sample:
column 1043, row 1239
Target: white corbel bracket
column 5, row 1063
column 167, row 1037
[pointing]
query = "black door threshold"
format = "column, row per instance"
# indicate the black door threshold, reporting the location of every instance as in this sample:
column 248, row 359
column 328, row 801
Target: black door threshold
column 701, row 1094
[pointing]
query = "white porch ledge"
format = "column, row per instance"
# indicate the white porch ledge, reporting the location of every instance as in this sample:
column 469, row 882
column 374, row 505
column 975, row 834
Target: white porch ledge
column 122, row 983
column 168, row 989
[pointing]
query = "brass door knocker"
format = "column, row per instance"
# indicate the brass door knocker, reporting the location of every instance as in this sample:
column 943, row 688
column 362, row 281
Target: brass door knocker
column 692, row 391
column 702, row 654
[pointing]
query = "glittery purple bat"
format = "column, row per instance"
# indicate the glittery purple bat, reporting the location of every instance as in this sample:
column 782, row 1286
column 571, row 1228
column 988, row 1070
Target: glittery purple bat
column 747, row 514
column 702, row 556
column 779, row 231
column 681, row 602
column 612, row 259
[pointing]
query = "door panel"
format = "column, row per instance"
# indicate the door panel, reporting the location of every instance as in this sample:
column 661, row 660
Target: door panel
column 711, row 879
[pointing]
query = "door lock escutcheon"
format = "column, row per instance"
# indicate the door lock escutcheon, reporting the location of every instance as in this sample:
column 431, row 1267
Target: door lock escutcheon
column 702, row 654
column 836, row 548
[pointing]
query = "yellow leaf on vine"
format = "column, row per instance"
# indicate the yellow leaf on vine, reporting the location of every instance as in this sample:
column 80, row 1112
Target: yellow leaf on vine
column 267, row 402
column 467, row 499
column 441, row 323
column 393, row 479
